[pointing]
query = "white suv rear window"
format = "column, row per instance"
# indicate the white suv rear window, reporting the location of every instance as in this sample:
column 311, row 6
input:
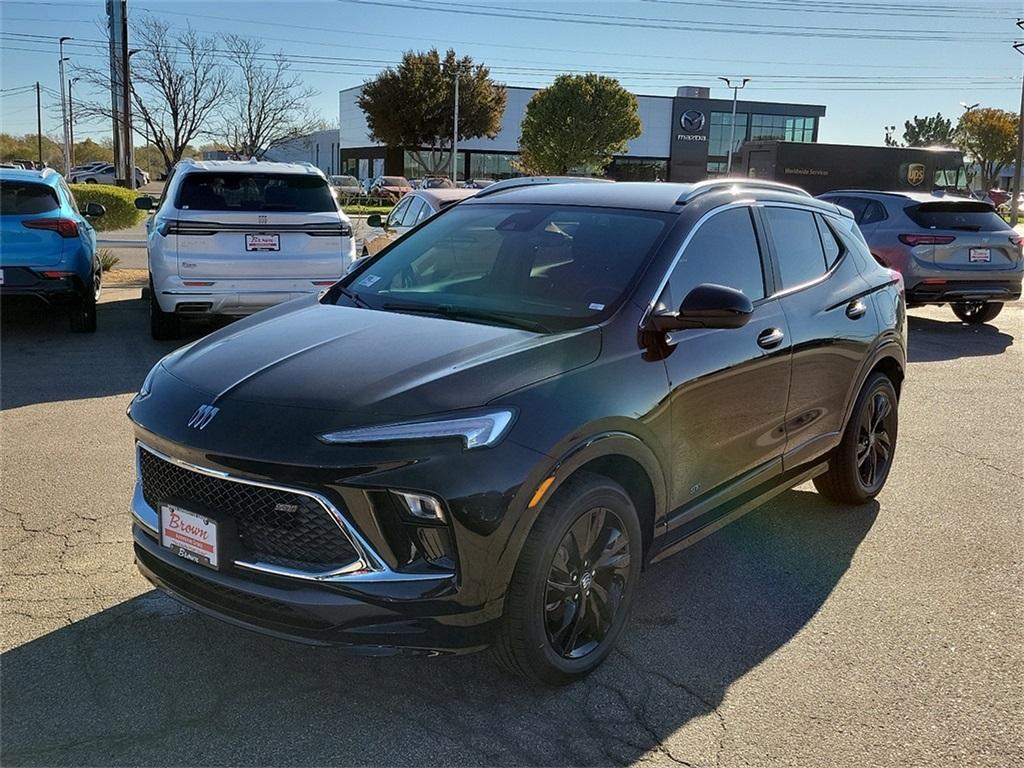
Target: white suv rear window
column 255, row 192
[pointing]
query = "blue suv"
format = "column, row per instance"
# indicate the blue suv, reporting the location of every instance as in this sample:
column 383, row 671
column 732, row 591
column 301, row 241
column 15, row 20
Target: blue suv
column 47, row 246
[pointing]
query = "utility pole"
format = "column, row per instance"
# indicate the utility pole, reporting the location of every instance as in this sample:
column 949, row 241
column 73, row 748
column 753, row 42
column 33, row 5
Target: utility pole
column 1015, row 205
column 120, row 92
column 71, row 119
column 455, row 133
column 732, row 126
column 64, row 107
column 39, row 124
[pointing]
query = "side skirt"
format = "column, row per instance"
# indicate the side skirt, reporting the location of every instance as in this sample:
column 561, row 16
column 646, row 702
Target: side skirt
column 739, row 506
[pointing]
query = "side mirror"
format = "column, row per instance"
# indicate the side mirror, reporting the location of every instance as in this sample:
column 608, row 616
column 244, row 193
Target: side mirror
column 144, row 203
column 94, row 210
column 708, row 306
column 375, row 220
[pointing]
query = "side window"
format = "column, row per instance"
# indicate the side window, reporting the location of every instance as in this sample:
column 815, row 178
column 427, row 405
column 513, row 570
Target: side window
column 873, row 213
column 854, row 204
column 69, row 196
column 412, row 212
column 723, row 251
column 833, row 249
column 167, row 195
column 797, row 243
column 425, row 212
column 395, row 217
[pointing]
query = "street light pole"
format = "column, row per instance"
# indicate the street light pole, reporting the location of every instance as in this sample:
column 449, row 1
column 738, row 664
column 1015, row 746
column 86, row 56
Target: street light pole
column 1015, row 205
column 455, row 133
column 64, row 107
column 732, row 122
column 71, row 119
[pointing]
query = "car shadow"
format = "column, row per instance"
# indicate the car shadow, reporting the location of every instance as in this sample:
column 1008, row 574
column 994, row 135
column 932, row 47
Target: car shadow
column 44, row 361
column 932, row 340
column 151, row 682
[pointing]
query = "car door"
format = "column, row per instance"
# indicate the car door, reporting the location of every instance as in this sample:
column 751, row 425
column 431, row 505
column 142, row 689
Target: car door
column 831, row 321
column 392, row 227
column 729, row 388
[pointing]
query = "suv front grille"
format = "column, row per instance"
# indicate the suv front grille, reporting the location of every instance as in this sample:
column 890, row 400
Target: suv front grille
column 273, row 525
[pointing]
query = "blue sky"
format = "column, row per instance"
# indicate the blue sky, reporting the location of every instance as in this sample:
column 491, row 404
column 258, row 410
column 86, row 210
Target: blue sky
column 871, row 62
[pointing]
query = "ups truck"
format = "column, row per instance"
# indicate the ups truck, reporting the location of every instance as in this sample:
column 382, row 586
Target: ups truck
column 820, row 168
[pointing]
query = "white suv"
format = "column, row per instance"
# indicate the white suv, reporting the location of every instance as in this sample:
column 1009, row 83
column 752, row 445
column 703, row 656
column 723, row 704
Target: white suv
column 232, row 237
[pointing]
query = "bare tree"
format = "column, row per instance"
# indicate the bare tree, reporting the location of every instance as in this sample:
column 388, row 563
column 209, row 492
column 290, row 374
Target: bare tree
column 177, row 84
column 267, row 105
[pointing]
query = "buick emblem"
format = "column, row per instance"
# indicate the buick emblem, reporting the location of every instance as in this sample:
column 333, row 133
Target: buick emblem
column 204, row 415
column 692, row 120
column 261, row 219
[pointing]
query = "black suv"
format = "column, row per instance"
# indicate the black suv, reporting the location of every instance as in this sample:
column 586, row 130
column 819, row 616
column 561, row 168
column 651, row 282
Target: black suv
column 484, row 433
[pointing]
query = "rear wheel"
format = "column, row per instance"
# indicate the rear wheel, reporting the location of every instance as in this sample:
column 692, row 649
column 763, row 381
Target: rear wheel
column 83, row 313
column 859, row 466
column 977, row 312
column 575, row 583
column 162, row 325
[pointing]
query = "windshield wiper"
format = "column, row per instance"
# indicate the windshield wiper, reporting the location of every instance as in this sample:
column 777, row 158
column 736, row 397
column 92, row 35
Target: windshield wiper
column 355, row 298
column 468, row 313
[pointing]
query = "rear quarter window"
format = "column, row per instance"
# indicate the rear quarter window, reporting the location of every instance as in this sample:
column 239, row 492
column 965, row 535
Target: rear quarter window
column 19, row 198
column 955, row 214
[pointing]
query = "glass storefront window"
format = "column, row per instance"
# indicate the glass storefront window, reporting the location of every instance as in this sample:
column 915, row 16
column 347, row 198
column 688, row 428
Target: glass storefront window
column 721, row 130
column 495, row 166
column 414, row 170
column 716, row 168
column 783, row 127
column 637, row 169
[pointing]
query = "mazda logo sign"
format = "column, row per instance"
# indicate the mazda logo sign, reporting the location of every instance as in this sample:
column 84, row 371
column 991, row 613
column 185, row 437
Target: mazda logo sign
column 692, row 120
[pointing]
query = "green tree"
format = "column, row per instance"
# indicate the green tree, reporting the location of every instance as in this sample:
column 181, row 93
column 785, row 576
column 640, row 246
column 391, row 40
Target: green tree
column 412, row 105
column 988, row 137
column 929, row 132
column 579, row 121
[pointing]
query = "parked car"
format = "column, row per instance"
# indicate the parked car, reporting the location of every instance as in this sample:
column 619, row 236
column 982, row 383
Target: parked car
column 950, row 250
column 231, row 237
column 436, row 182
column 482, row 434
column 47, row 246
column 349, row 184
column 105, row 174
column 388, row 187
column 411, row 210
column 476, row 183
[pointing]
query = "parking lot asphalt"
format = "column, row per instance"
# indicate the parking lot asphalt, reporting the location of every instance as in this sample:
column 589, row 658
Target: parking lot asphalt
column 802, row 635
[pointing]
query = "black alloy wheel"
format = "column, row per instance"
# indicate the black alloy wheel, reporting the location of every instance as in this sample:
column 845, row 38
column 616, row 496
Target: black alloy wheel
column 977, row 312
column 574, row 584
column 860, row 464
column 586, row 582
column 875, row 442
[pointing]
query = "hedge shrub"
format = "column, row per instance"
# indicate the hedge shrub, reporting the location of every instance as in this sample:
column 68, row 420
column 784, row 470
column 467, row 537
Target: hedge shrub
column 119, row 202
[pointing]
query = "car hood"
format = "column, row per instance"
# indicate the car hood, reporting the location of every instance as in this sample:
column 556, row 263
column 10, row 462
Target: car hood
column 373, row 363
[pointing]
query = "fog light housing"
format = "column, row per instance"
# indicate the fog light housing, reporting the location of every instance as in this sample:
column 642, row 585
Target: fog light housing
column 421, row 506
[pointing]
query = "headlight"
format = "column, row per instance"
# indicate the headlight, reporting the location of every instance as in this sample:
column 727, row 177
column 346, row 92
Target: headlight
column 481, row 430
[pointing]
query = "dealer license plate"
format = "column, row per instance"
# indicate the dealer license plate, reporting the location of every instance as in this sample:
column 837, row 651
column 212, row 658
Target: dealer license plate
column 980, row 255
column 189, row 535
column 262, row 242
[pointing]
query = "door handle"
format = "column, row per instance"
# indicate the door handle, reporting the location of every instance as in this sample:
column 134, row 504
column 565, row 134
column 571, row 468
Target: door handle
column 770, row 337
column 856, row 309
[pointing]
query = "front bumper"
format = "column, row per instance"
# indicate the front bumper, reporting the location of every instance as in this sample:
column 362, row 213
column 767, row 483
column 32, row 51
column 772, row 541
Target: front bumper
column 22, row 281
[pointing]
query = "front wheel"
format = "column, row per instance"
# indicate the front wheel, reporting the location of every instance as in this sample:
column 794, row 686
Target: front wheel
column 977, row 312
column 575, row 583
column 859, row 466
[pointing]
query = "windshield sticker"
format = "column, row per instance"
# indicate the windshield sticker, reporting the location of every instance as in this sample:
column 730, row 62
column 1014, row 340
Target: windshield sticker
column 369, row 280
column 596, row 307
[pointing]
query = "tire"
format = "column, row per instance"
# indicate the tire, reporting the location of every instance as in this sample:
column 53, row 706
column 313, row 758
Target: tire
column 83, row 313
column 977, row 312
column 91, row 181
column 547, row 631
column 860, row 465
column 163, row 326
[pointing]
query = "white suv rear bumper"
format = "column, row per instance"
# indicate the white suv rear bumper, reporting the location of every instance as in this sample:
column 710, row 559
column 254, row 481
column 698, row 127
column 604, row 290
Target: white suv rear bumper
column 231, row 297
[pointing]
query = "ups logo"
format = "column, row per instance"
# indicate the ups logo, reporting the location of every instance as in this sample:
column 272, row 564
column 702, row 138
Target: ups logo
column 915, row 174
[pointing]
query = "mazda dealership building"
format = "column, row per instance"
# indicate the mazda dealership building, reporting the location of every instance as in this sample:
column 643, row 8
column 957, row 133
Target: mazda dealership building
column 685, row 138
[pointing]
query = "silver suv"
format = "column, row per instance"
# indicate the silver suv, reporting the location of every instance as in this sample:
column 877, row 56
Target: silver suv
column 950, row 250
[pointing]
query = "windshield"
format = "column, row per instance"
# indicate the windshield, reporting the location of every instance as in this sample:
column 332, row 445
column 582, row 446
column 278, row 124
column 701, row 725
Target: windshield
column 539, row 266
column 951, row 178
column 255, row 192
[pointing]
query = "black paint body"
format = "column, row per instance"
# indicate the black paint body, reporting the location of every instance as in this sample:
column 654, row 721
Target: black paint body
column 689, row 422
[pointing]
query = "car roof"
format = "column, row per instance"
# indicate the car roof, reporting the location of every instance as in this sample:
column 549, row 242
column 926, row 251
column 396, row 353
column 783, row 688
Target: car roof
column 438, row 197
column 46, row 176
column 645, row 195
column 250, row 166
column 917, row 197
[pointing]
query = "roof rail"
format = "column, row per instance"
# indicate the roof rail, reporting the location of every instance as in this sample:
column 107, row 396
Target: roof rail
column 534, row 181
column 713, row 185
